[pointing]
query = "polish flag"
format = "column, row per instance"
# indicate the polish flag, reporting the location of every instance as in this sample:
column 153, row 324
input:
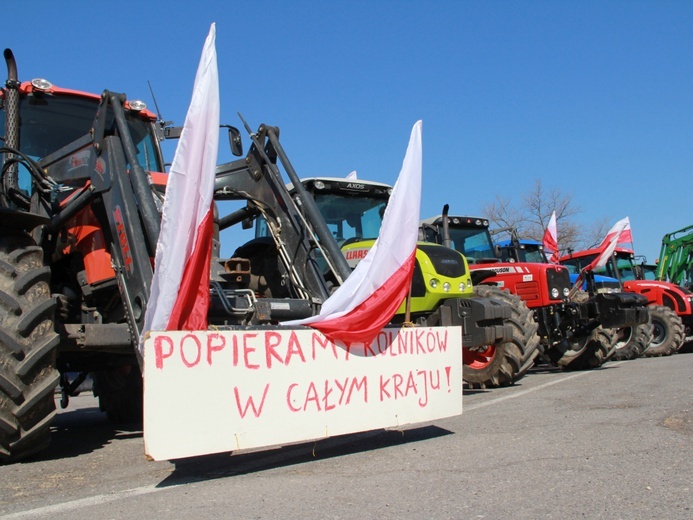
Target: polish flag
column 608, row 245
column 625, row 236
column 359, row 309
column 179, row 296
column 550, row 239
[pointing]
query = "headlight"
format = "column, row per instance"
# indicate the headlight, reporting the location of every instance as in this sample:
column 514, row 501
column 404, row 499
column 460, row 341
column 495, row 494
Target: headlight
column 433, row 282
column 319, row 185
column 41, row 84
column 554, row 293
column 463, row 286
column 566, row 291
column 446, row 287
column 137, row 105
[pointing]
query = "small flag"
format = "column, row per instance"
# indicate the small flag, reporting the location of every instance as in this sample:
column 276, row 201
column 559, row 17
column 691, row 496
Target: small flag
column 625, row 236
column 608, row 245
column 550, row 239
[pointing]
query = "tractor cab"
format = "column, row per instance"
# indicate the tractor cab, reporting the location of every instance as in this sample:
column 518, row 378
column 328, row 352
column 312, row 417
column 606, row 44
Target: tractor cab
column 531, row 251
column 622, row 265
column 53, row 117
column 353, row 211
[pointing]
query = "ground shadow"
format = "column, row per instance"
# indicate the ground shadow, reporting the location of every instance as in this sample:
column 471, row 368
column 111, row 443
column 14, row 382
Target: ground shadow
column 551, row 369
column 475, row 391
column 82, row 431
column 544, row 368
column 687, row 348
column 225, row 465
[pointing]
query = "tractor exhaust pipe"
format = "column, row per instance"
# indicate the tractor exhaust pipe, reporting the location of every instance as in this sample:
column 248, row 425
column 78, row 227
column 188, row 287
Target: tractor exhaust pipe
column 10, row 179
column 446, row 227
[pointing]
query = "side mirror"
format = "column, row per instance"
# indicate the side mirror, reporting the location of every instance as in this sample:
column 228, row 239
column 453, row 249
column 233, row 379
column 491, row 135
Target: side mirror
column 172, row 132
column 235, row 141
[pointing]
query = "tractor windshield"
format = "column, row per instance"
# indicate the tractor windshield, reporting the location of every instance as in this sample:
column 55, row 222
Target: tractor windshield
column 50, row 122
column 532, row 253
column 525, row 253
column 351, row 217
column 475, row 244
column 625, row 266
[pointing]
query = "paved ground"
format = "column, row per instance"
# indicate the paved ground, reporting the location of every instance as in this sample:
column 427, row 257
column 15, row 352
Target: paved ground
column 610, row 443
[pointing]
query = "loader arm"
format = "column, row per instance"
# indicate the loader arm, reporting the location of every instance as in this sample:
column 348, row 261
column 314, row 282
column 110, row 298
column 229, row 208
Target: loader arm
column 676, row 257
column 103, row 172
column 297, row 231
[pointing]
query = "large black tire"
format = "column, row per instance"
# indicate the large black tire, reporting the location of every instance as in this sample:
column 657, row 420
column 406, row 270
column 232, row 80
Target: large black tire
column 668, row 335
column 491, row 366
column 631, row 342
column 587, row 352
column 28, row 344
column 522, row 319
column 120, row 393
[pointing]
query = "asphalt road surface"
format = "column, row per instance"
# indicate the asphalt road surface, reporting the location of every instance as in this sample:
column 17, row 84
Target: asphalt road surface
column 610, row 443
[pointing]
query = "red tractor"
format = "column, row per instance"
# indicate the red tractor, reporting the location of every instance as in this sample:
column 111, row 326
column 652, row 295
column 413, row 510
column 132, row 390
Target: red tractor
column 630, row 342
column 574, row 333
column 80, row 207
column 670, row 305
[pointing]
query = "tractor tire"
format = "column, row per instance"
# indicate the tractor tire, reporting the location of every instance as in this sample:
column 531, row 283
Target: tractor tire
column 120, row 393
column 28, row 345
column 588, row 352
column 668, row 335
column 611, row 334
column 524, row 325
column 631, row 342
column 491, row 366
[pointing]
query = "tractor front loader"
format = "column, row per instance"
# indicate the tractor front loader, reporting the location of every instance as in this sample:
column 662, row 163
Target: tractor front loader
column 80, row 202
column 676, row 258
column 441, row 291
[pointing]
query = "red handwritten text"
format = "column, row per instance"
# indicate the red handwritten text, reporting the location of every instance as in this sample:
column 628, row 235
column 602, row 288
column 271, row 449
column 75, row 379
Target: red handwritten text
column 327, row 395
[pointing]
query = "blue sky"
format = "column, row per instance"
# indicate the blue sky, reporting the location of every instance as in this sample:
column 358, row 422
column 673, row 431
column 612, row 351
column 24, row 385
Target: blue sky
column 593, row 97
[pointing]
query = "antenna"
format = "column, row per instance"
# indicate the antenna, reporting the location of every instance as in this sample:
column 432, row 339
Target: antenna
column 247, row 127
column 158, row 112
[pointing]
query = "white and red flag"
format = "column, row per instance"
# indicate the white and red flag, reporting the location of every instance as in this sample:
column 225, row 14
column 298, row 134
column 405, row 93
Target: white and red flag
column 608, row 245
column 359, row 309
column 622, row 230
column 179, row 296
column 550, row 239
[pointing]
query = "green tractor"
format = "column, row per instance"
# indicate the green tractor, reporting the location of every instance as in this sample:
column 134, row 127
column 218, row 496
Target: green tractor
column 676, row 258
column 442, row 292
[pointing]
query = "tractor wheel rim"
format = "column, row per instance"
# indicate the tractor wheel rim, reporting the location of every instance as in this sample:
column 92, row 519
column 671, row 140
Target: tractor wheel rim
column 658, row 333
column 479, row 359
column 624, row 337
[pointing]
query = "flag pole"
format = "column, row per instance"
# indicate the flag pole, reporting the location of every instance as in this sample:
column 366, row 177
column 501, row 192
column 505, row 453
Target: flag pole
column 407, row 312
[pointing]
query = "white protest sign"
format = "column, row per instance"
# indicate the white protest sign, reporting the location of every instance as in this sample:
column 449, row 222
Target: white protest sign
column 210, row 392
